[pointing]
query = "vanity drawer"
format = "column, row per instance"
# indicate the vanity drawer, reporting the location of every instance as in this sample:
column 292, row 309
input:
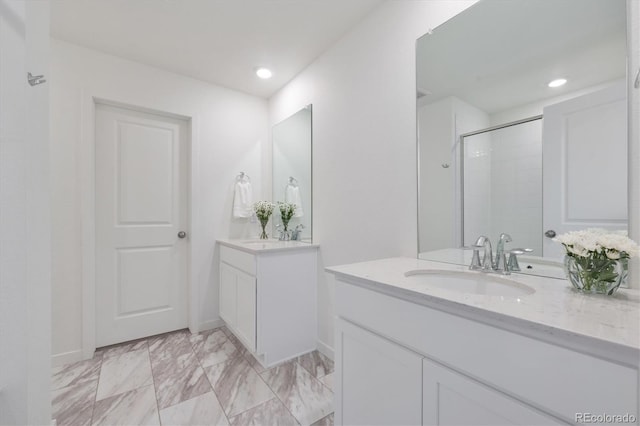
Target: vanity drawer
column 241, row 260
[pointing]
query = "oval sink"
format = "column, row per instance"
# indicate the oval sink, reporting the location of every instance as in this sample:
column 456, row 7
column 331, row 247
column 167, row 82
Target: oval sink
column 470, row 282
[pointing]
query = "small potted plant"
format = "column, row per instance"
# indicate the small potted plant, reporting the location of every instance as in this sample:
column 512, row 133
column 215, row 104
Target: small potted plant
column 263, row 210
column 596, row 260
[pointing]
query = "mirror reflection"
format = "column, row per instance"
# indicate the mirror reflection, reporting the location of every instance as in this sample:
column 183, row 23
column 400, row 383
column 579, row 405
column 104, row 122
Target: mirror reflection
column 291, row 140
column 504, row 144
column 502, row 183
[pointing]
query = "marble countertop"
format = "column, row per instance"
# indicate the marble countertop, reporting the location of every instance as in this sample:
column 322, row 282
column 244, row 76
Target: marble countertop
column 267, row 246
column 555, row 309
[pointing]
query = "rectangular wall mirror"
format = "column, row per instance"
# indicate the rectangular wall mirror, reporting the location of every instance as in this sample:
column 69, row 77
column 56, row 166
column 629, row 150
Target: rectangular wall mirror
column 292, row 174
column 503, row 149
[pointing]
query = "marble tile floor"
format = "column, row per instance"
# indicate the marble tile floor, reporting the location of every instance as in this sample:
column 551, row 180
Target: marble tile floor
column 181, row 378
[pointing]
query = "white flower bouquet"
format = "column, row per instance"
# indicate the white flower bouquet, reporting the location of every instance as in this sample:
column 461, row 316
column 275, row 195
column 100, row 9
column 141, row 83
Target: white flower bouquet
column 596, row 260
column 263, row 210
column 287, row 211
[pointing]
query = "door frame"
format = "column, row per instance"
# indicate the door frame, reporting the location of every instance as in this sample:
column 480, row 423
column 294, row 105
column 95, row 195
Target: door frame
column 87, row 175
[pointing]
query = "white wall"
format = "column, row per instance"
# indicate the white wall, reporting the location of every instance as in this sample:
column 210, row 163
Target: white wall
column 633, row 168
column 25, row 249
column 364, row 134
column 13, row 226
column 229, row 135
column 436, row 137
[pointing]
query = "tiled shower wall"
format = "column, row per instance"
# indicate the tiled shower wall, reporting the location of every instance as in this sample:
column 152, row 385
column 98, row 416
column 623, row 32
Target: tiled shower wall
column 516, row 182
column 503, row 185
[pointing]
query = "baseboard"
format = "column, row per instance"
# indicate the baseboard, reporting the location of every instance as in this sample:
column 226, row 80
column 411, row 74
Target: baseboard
column 64, row 358
column 209, row 325
column 325, row 349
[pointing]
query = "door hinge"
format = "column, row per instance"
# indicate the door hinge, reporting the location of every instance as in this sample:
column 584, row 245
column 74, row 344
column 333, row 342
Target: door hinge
column 34, row 80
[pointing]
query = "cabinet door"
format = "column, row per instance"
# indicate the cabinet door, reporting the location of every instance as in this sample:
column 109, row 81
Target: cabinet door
column 228, row 277
column 246, row 309
column 378, row 381
column 451, row 398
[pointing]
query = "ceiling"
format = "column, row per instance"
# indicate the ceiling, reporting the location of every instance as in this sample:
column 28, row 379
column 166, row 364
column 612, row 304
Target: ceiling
column 499, row 54
column 217, row 41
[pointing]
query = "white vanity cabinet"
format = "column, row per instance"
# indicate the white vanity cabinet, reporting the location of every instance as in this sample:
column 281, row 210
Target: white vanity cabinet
column 401, row 362
column 267, row 297
column 384, row 383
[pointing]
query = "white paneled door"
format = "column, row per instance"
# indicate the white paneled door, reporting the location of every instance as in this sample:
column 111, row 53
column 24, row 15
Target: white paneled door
column 585, row 164
column 141, row 224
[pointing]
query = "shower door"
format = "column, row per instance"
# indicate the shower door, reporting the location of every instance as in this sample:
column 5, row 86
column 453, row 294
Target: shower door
column 502, row 183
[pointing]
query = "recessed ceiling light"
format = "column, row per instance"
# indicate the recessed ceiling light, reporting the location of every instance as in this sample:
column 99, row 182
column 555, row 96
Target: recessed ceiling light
column 557, row 82
column 264, row 73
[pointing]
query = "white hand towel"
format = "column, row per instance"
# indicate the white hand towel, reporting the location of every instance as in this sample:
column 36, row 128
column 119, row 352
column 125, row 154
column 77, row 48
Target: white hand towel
column 243, row 200
column 292, row 195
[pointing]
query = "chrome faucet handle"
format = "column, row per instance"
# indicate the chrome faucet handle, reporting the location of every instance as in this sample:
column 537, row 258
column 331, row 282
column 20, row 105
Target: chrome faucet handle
column 512, row 265
column 487, row 260
column 475, row 257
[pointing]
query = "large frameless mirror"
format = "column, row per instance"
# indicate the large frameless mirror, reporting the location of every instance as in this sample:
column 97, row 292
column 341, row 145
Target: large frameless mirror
column 504, row 148
column 292, row 183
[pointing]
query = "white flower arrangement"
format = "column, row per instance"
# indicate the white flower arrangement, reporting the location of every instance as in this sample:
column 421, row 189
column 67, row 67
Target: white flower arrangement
column 597, row 260
column 287, row 211
column 598, row 243
column 263, row 209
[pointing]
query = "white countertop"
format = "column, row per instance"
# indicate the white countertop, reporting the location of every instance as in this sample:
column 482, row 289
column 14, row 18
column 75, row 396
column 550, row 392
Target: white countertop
column 555, row 310
column 257, row 246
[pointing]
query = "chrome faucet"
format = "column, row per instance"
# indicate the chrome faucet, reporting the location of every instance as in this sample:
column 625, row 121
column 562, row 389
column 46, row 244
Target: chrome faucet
column 296, row 232
column 501, row 264
column 484, row 243
column 501, row 258
column 283, row 235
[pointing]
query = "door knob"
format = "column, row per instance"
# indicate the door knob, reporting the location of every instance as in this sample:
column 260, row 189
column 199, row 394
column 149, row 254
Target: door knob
column 550, row 233
column 182, row 234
